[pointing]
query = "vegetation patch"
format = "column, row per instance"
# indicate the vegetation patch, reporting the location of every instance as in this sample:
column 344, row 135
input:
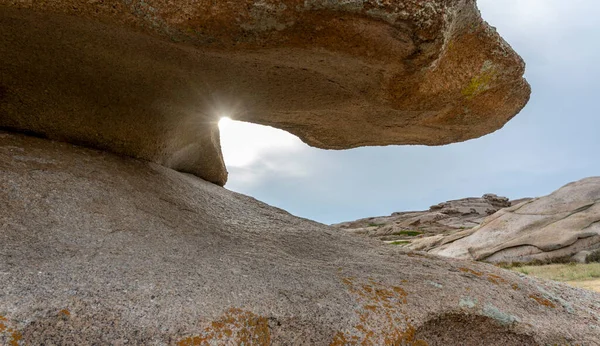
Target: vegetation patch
column 557, row 260
column 408, row 233
column 399, row 242
column 575, row 274
column 594, row 257
column 562, row 272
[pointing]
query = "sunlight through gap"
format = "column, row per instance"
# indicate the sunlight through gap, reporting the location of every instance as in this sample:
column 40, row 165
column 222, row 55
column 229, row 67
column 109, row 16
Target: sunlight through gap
column 243, row 144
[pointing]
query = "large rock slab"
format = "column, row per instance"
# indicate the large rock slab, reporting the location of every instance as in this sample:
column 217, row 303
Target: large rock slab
column 150, row 78
column 549, row 228
column 103, row 249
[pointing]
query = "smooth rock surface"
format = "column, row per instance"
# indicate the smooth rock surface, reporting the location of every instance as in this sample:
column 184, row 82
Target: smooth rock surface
column 443, row 219
column 101, row 249
column 549, row 228
column 150, row 78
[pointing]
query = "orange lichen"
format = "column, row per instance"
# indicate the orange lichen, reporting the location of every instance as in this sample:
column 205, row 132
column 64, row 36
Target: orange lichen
column 242, row 327
column 405, row 338
column 64, row 313
column 493, row 280
column 515, row 287
column 381, row 319
column 2, row 325
column 348, row 281
column 471, row 271
column 496, row 278
column 339, row 340
column 13, row 334
column 370, row 307
column 542, row 301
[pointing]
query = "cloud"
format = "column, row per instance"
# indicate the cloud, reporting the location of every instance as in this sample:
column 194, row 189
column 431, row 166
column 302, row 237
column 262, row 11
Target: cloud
column 550, row 27
column 243, row 143
column 255, row 152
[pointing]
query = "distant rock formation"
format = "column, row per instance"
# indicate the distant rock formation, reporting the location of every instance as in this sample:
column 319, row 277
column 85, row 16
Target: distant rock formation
column 563, row 226
column 97, row 248
column 150, row 78
column 560, row 226
column 444, row 219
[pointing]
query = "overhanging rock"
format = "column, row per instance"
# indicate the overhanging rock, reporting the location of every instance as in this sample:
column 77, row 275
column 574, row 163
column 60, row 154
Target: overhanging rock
column 151, row 78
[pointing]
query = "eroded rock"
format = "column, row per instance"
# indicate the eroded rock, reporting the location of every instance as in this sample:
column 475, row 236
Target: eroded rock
column 550, row 228
column 151, row 78
column 101, row 249
column 443, row 220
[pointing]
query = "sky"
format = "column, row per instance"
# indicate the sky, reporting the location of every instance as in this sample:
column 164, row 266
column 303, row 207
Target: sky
column 553, row 141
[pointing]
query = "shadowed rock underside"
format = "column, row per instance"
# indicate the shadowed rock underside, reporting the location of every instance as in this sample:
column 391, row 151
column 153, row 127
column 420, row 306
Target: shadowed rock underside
column 151, row 78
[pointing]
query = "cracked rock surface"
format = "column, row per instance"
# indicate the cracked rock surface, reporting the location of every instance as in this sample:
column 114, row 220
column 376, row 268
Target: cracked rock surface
column 150, row 78
column 97, row 248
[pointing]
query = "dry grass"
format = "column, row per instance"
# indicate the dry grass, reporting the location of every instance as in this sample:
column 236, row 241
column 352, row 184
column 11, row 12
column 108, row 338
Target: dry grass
column 579, row 275
column 593, row 285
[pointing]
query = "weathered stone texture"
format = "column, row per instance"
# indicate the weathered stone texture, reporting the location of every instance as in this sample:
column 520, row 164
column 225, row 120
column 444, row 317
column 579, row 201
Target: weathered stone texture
column 102, row 249
column 150, row 78
column 552, row 228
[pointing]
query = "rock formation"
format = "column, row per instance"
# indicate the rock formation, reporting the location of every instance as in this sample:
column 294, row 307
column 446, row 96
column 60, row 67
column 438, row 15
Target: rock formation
column 150, row 78
column 444, row 219
column 549, row 228
column 103, row 249
column 97, row 248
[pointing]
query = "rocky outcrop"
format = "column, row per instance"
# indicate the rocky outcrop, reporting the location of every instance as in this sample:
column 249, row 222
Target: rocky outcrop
column 560, row 226
column 151, row 78
column 103, row 249
column 444, row 219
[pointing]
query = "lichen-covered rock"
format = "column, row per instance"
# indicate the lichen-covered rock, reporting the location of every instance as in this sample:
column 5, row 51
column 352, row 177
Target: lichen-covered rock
column 150, row 78
column 101, row 249
column 550, row 228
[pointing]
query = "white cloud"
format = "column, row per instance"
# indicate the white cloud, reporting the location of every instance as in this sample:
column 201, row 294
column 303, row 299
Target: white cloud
column 244, row 143
column 539, row 15
column 254, row 152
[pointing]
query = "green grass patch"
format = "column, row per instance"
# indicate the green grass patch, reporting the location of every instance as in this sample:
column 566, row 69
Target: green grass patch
column 408, row 233
column 399, row 242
